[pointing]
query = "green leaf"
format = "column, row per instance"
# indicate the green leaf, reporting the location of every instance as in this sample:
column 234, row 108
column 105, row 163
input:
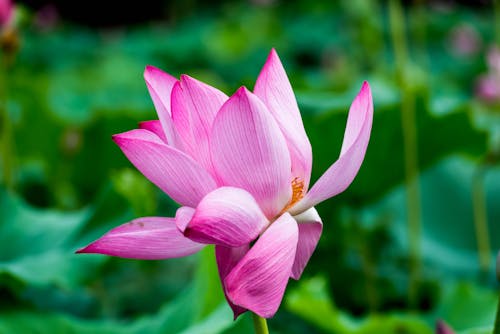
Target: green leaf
column 465, row 306
column 311, row 302
column 448, row 198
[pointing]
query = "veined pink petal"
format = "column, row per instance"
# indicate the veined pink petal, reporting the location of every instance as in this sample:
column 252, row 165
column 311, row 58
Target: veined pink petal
column 274, row 89
column 160, row 86
column 310, row 227
column 356, row 137
column 259, row 279
column 155, row 127
column 227, row 258
column 174, row 172
column 147, row 238
column 250, row 152
column 194, row 106
column 226, row 216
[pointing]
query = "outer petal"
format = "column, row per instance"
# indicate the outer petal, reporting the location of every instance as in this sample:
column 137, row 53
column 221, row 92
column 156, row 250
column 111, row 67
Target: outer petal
column 356, row 137
column 194, row 106
column 274, row 89
column 172, row 171
column 227, row 216
column 148, row 238
column 249, row 151
column 160, row 86
column 155, row 127
column 227, row 258
column 310, row 227
column 259, row 280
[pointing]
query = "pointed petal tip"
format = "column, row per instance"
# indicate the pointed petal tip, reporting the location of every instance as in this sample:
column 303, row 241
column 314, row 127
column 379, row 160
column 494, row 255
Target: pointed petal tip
column 185, row 77
column 89, row 249
column 365, row 88
column 273, row 53
column 148, row 71
column 119, row 138
column 242, row 91
column 116, row 138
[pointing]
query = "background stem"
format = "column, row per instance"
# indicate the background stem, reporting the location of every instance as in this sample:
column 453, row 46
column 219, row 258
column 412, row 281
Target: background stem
column 480, row 219
column 5, row 129
column 408, row 123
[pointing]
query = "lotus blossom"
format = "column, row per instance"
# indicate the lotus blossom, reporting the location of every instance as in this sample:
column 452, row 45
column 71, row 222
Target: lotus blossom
column 240, row 168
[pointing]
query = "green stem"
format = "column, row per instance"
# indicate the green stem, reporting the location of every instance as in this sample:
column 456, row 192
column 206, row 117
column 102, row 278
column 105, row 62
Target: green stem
column 408, row 124
column 259, row 324
column 480, row 219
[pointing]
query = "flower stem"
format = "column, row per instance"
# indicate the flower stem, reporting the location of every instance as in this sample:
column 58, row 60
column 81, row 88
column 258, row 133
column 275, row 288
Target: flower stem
column 259, row 324
column 408, row 123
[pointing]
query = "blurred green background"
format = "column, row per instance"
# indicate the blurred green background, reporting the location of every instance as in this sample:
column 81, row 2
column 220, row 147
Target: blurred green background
column 411, row 241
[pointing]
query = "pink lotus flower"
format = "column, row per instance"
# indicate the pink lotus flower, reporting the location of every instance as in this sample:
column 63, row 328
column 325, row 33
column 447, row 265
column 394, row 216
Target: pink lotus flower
column 240, row 167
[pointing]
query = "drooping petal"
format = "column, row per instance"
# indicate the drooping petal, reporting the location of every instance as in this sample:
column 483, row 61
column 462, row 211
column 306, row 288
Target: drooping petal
column 227, row 258
column 259, row 279
column 310, row 227
column 155, row 127
column 227, row 216
column 274, row 89
column 356, row 137
column 160, row 86
column 194, row 106
column 250, row 152
column 147, row 238
column 174, row 172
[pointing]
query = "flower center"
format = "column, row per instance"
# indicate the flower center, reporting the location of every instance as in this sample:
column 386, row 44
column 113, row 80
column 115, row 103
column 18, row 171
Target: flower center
column 297, row 193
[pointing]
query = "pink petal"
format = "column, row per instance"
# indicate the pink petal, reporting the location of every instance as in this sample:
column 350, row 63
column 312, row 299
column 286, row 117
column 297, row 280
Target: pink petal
column 147, row 238
column 155, row 127
column 227, row 258
column 356, row 137
column 274, row 89
column 249, row 151
column 259, row 280
column 310, row 227
column 160, row 86
column 172, row 171
column 194, row 106
column 227, row 216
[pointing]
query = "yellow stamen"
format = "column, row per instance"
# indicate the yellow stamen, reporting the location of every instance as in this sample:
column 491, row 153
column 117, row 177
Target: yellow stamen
column 297, row 192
